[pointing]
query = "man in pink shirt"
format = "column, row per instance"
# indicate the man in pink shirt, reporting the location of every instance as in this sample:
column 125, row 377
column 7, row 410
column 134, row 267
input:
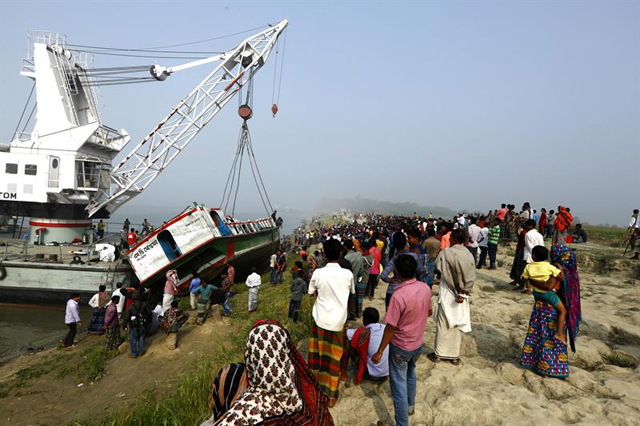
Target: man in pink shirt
column 406, row 317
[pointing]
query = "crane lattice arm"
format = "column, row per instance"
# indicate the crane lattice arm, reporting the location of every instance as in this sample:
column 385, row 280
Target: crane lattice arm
column 156, row 151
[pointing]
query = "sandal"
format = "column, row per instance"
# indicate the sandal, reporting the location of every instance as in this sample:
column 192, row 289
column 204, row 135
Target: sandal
column 455, row 361
column 432, row 356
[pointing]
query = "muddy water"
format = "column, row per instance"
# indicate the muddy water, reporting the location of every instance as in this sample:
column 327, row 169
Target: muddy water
column 25, row 328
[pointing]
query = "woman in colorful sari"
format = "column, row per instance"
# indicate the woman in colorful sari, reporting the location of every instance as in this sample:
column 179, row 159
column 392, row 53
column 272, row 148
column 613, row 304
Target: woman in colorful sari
column 273, row 387
column 541, row 352
column 99, row 303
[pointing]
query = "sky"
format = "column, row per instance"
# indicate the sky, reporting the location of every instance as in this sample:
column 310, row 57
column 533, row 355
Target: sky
column 458, row 104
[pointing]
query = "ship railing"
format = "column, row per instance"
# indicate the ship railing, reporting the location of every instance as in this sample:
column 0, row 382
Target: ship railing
column 107, row 137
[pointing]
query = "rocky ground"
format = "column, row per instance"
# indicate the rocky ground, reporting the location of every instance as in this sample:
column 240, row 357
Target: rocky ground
column 489, row 387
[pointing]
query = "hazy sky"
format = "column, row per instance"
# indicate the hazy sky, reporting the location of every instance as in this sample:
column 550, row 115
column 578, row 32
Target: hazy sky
column 459, row 104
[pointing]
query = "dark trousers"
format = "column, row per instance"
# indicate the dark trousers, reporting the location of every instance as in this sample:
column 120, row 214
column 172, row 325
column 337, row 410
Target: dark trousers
column 71, row 335
column 294, row 309
column 474, row 253
column 493, row 251
column 387, row 299
column 371, row 285
column 518, row 268
column 483, row 257
column 351, row 306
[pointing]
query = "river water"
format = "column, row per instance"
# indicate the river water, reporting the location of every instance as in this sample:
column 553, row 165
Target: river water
column 25, row 328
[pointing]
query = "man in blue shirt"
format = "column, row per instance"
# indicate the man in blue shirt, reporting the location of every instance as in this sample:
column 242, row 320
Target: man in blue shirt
column 204, row 300
column 195, row 284
column 400, row 245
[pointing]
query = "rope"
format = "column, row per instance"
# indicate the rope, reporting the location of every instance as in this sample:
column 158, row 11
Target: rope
column 174, row 45
column 275, row 73
column 284, row 45
column 15, row 132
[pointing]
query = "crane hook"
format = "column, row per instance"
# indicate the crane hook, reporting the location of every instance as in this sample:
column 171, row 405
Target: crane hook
column 274, row 109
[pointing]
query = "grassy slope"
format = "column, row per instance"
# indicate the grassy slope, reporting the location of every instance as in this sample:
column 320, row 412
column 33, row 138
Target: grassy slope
column 605, row 235
column 188, row 404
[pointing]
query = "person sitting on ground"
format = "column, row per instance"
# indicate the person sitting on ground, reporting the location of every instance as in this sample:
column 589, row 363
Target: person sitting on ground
column 579, row 235
column 172, row 320
column 247, row 394
column 298, row 289
column 364, row 342
column 539, row 271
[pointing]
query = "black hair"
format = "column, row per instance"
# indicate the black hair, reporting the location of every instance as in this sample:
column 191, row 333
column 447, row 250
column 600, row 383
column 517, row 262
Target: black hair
column 406, row 266
column 119, row 284
column 370, row 315
column 115, row 299
column 530, row 222
column 473, row 220
column 503, row 205
column 540, row 253
column 298, row 264
column 431, row 232
column 458, row 235
column 195, row 274
column 348, row 244
column 415, row 233
column 174, row 304
column 316, row 253
column 305, row 257
column 299, row 273
column 579, row 225
column 399, row 240
column 253, row 269
column 332, row 249
column 102, row 288
column 636, row 211
column 74, row 295
column 365, row 245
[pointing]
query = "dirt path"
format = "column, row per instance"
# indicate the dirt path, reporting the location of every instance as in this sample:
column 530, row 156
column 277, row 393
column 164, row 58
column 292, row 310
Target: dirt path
column 48, row 400
column 489, row 387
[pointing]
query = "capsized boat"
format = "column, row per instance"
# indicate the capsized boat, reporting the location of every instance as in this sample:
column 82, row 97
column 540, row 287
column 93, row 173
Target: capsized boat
column 203, row 240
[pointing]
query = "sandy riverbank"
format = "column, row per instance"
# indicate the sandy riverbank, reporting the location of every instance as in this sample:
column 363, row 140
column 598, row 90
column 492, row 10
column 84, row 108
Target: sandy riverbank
column 489, row 387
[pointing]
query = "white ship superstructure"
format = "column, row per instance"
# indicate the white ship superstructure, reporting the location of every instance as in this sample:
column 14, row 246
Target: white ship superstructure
column 52, row 173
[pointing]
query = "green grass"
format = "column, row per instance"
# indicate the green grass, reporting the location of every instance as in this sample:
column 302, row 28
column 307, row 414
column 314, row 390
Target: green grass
column 187, row 402
column 605, row 235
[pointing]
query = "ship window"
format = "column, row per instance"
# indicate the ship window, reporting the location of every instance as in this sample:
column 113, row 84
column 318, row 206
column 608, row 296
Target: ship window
column 169, row 246
column 11, row 169
column 30, row 169
column 88, row 174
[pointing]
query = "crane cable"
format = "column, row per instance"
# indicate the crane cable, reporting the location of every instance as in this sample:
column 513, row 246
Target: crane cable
column 15, row 132
column 245, row 145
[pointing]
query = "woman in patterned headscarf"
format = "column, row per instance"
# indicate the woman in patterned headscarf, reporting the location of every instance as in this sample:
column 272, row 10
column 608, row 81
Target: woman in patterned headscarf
column 273, row 387
column 541, row 351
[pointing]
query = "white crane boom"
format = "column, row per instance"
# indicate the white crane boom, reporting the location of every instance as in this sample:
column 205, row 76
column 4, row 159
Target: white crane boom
column 156, row 151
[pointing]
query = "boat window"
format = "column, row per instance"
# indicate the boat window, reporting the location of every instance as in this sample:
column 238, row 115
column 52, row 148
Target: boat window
column 169, row 246
column 30, row 169
column 11, row 169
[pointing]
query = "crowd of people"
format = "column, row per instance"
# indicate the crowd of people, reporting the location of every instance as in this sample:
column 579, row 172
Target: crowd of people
column 411, row 255
column 341, row 266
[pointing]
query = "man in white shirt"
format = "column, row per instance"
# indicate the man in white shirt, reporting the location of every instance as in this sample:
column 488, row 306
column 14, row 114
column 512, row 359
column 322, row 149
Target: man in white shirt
column 120, row 305
column 475, row 236
column 331, row 285
column 273, row 268
column 371, row 321
column 72, row 319
column 531, row 239
column 253, row 282
column 483, row 245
